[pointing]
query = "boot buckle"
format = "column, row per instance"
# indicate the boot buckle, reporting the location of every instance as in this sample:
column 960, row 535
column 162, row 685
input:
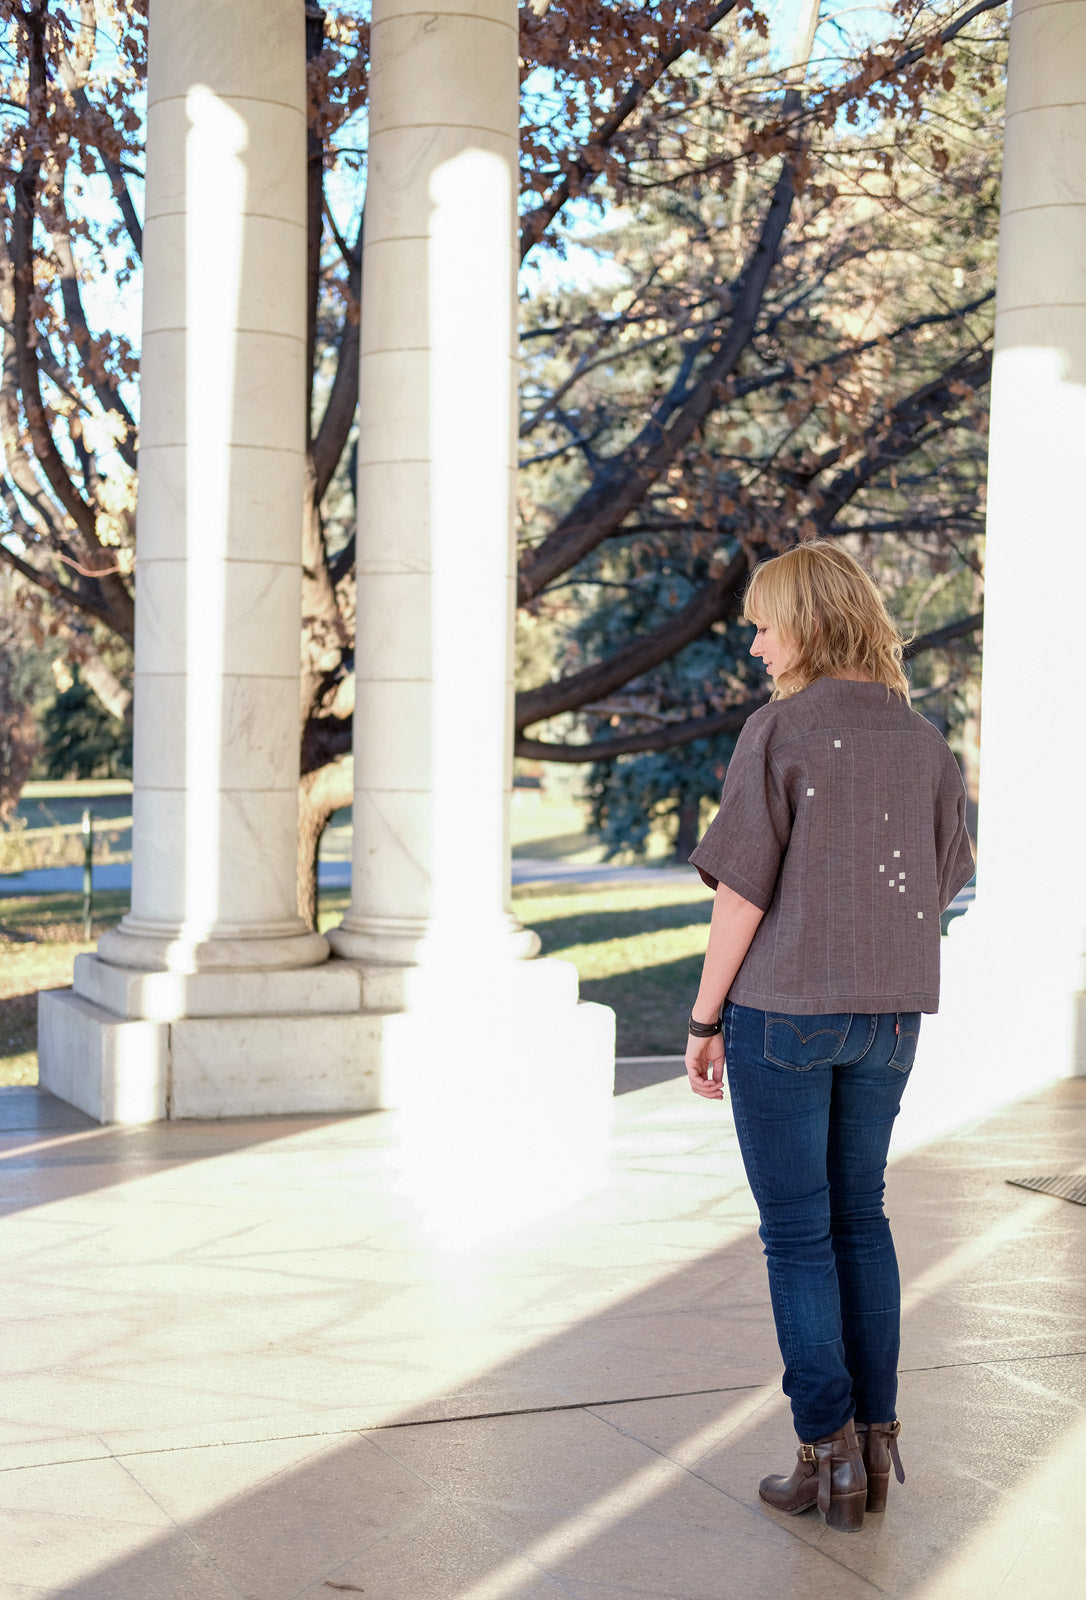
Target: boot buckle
column 807, row 1453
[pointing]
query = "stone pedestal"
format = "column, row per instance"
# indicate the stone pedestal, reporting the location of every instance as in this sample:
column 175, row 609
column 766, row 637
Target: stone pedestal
column 430, row 923
column 1014, row 1011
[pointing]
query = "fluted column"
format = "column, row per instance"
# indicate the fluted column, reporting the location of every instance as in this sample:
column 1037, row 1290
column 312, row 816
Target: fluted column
column 218, row 580
column 435, row 556
column 1025, row 937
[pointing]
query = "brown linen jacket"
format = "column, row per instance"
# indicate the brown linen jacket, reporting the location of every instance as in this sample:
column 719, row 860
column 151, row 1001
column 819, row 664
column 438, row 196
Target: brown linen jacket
column 843, row 819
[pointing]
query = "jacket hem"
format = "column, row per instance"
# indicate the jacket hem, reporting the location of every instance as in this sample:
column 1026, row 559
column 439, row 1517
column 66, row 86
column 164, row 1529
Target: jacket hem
column 735, row 881
column 797, row 1005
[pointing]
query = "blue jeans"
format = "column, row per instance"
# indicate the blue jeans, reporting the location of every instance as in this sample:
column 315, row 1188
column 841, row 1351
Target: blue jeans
column 814, row 1100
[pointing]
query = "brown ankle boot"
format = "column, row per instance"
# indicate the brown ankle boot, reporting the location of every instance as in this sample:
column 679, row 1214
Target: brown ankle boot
column 878, row 1440
column 829, row 1474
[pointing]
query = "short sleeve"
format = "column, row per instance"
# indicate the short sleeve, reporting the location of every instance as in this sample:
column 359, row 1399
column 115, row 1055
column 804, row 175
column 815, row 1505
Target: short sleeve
column 954, row 852
column 747, row 838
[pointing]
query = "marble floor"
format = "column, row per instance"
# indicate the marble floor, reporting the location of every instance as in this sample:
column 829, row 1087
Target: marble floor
column 318, row 1357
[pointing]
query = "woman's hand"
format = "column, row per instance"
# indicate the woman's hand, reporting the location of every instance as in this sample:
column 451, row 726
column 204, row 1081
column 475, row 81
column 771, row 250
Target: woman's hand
column 705, row 1066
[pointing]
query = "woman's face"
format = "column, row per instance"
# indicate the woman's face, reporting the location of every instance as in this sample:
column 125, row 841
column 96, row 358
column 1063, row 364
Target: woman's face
column 770, row 649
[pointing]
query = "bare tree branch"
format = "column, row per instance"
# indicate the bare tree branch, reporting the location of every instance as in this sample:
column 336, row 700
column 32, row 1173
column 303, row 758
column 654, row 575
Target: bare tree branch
column 627, row 476
column 115, row 173
column 731, row 721
column 57, row 591
column 898, row 433
column 893, row 437
column 335, row 425
column 74, row 69
column 584, row 168
column 939, row 638
column 708, row 603
column 105, row 390
column 314, row 145
column 673, row 733
column 98, row 675
column 22, row 256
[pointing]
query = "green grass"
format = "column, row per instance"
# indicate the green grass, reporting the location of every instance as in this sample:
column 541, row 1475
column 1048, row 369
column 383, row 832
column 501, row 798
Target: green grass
column 40, row 937
column 46, row 830
column 637, row 948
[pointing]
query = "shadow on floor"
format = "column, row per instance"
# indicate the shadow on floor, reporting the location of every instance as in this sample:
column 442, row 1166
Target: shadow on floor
column 616, row 1454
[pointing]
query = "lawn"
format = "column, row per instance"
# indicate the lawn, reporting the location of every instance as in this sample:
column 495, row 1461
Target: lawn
column 46, row 830
column 40, row 937
column 637, row 948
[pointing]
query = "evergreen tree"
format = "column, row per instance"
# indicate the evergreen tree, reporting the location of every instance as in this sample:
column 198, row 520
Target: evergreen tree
column 81, row 740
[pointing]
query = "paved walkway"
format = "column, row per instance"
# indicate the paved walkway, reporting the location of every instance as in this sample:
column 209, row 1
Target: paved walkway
column 321, row 1357
column 109, row 875
column 337, row 875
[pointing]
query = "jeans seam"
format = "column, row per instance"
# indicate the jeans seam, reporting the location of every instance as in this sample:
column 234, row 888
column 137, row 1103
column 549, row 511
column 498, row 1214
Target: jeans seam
column 872, row 1032
column 913, row 1034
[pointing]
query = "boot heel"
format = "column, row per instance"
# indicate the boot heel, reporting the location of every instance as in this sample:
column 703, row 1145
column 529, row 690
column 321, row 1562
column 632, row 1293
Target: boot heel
column 878, row 1441
column 846, row 1511
column 877, row 1487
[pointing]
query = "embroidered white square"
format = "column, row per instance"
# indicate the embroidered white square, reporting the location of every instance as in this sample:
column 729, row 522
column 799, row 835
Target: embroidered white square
column 810, row 791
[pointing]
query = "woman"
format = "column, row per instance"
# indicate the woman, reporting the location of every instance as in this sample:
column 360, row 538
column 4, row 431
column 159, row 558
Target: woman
column 839, row 840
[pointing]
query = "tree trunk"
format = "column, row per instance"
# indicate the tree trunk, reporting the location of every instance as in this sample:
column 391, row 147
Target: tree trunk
column 99, row 677
column 320, row 793
column 686, row 836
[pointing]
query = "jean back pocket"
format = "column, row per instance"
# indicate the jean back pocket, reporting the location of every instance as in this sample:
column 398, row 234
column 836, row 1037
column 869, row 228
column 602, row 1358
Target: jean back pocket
column 908, row 1031
column 801, row 1043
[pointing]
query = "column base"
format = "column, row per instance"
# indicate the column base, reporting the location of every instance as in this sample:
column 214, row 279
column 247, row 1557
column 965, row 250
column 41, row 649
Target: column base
column 514, row 1042
column 147, row 947
column 404, row 942
column 505, row 992
column 114, row 1069
column 120, row 1069
column 158, row 996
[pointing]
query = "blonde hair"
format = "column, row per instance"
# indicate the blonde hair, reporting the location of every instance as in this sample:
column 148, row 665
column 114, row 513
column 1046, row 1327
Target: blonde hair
column 826, row 608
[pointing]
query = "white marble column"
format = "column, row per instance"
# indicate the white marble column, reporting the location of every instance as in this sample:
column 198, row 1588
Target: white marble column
column 435, row 560
column 1013, row 966
column 1032, row 841
column 218, row 580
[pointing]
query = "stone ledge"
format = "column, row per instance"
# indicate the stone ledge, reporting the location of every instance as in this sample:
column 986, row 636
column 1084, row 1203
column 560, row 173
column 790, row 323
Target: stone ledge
column 454, row 1061
column 271, row 1065
column 114, row 1069
column 525, row 989
column 168, row 996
